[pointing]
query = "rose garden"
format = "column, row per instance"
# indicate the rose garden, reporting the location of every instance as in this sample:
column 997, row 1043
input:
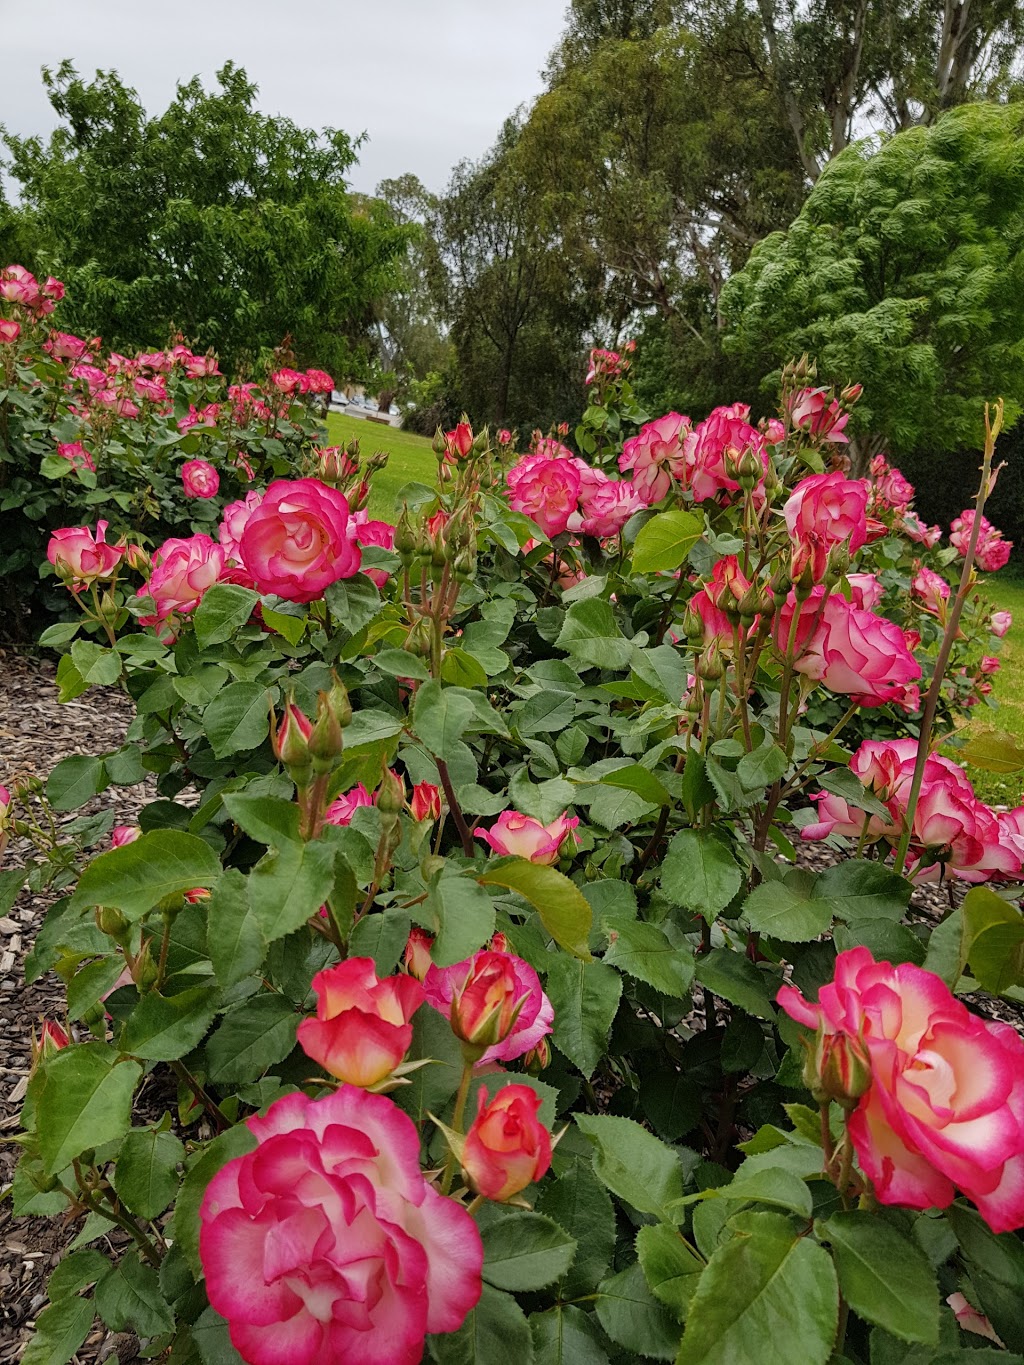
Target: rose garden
column 549, row 897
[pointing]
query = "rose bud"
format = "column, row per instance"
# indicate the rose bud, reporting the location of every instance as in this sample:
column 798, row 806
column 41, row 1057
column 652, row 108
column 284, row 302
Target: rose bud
column 5, row 805
column 290, row 743
column 521, row 836
column 52, row 1038
column 837, row 1068
column 417, row 953
column 199, row 479
column 485, row 1007
column 459, row 441
column 426, row 802
column 537, row 1058
column 507, row 1147
column 390, row 793
column 361, row 1031
column 124, row 834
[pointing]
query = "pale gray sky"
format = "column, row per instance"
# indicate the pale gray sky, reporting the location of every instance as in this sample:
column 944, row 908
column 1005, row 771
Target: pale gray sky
column 429, row 81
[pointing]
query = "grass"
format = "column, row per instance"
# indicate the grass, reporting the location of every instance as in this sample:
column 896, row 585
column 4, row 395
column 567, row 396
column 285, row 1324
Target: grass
column 411, row 458
column 1006, row 593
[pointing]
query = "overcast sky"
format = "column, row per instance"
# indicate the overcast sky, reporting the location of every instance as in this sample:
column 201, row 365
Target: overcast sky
column 428, row 81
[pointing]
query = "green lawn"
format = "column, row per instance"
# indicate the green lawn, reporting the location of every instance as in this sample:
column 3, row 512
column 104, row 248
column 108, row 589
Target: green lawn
column 411, row 458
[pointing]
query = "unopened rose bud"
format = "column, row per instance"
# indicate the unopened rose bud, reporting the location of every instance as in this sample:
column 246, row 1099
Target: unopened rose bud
column 484, row 1010
column 537, row 1058
column 749, row 470
column 837, row 1067
column 290, row 743
column 390, row 793
column 112, row 923
column 338, row 701
column 425, row 803
column 851, row 394
column 693, row 626
column 439, row 445
column 417, row 958
column 418, row 640
column 145, row 971
column 326, row 741
column 804, row 585
column 137, row 558
column 52, row 1039
column 838, row 564
column 750, row 603
column 709, row 664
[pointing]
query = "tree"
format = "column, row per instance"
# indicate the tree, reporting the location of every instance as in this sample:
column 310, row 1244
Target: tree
column 215, row 219
column 516, row 300
column 904, row 271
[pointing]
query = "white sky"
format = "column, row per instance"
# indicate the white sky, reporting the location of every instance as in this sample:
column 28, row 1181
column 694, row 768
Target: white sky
column 429, row 81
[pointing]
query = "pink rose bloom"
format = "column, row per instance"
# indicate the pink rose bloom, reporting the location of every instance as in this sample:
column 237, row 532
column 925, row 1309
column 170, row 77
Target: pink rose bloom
column 380, row 533
column 930, row 589
column 774, row 431
column 296, row 543
column 458, row 442
column 521, row 836
column 992, row 551
column 53, row 289
column 289, row 381
column 836, row 816
column 728, row 585
column 603, row 365
column 327, row 1244
column 546, row 490
column 94, row 377
column 200, row 366
column 200, row 479
column 915, row 528
column 848, row 650
column 504, row 436
column 945, row 1106
column 124, row 834
column 989, row 664
column 812, row 410
column 319, row 381
column 655, row 455
column 866, row 591
column 362, row 1028
column 233, row 523
column 715, row 448
column 77, row 456
column 18, row 285
column 151, row 390
column 605, row 506
column 9, row 330
column 533, row 1022
column 65, row 346
column 76, row 553
column 1000, row 623
column 825, row 510
column 895, row 490
column 183, row 571
column 158, row 361
column 342, row 809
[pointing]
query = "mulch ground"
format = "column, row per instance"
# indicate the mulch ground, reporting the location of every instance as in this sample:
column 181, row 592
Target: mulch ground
column 36, row 732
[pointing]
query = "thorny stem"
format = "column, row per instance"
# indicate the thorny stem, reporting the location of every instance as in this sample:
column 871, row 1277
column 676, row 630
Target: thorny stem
column 457, row 1118
column 465, row 833
column 202, row 1096
column 95, row 1204
column 993, row 425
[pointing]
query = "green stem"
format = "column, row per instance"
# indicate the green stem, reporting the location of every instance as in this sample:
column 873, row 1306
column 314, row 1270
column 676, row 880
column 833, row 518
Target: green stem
column 457, row 1119
column 992, row 429
column 205, row 1099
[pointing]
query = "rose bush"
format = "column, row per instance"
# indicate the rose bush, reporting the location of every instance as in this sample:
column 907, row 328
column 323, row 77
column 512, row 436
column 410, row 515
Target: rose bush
column 466, row 927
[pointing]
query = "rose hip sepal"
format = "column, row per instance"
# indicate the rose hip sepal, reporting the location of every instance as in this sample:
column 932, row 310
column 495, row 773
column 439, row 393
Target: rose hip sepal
column 945, row 1107
column 325, row 1243
column 361, row 1031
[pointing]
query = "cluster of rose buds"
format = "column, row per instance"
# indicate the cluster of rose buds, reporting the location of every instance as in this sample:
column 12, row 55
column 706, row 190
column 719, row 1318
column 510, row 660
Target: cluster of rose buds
column 311, row 750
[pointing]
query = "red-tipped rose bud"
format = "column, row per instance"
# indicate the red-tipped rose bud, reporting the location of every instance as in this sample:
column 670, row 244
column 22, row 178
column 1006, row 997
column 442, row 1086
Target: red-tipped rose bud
column 485, row 1008
column 290, row 743
column 507, row 1147
column 837, row 1068
column 52, row 1038
column 426, row 801
column 417, row 953
column 390, row 793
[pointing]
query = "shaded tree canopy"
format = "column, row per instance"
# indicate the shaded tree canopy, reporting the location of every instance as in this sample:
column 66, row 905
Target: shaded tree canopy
column 212, row 218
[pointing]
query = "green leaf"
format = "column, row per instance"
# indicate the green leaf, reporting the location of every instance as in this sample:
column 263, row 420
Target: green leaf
column 787, row 910
column 884, row 1276
column 224, row 609
column 768, row 1296
column 60, row 1331
column 463, row 918
column 765, row 765
column 238, row 718
column 736, row 979
column 665, row 541
column 699, row 873
column 97, row 665
column 993, row 750
column 212, row 1338
column 461, row 670
column 770, row 1185
column 636, row 778
column 163, row 1028
column 233, row 1142
column 138, row 876
column 579, row 1203
column 267, row 819
column 74, row 1272
column 83, row 1098
column 992, row 940
column 237, row 947
column 495, row 1332
column 643, row 951
column 562, row 907
column 995, row 1263
column 70, row 683
column 671, row 1267
column 291, row 627
column 383, row 937
column 591, row 634
column 634, row 1164
column 251, row 1038
column 75, row 781
column 633, row 1317
column 129, row 1296
column 546, row 712
column 286, row 888
column 353, row 602
column 60, row 633
column 440, row 717
column 842, row 782
column 585, row 997
column 525, row 1251
column 565, row 1335
column 859, row 890
column 145, row 1175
